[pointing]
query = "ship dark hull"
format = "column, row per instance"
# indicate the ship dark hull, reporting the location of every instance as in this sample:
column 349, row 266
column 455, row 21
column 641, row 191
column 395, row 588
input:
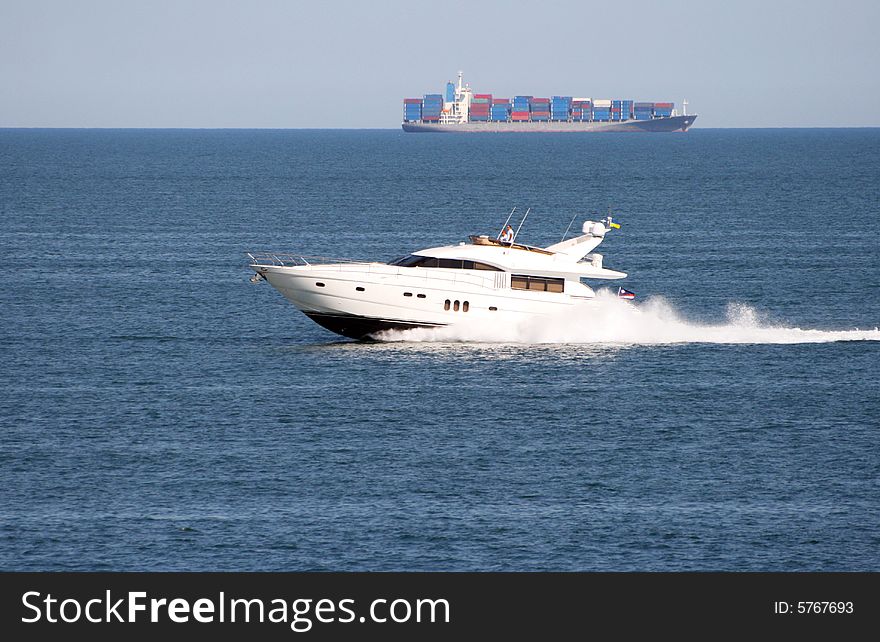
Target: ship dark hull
column 362, row 328
column 672, row 124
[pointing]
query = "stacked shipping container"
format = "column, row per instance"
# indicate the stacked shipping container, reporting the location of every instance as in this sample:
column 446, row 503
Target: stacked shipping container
column 601, row 109
column 412, row 109
column 540, row 109
column 581, row 109
column 663, row 110
column 560, row 108
column 432, row 105
column 480, row 104
column 621, row 109
column 484, row 108
column 616, row 109
column 520, row 110
column 644, row 111
column 500, row 109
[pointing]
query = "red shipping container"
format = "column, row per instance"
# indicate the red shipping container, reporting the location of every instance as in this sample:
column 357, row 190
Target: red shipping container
column 501, row 101
column 489, row 96
column 412, row 101
column 519, row 115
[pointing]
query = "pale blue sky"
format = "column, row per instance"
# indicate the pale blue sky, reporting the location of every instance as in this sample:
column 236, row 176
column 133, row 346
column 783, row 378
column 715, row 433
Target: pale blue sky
column 265, row 63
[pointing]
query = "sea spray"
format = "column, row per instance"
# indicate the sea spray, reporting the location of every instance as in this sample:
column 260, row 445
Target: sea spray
column 609, row 320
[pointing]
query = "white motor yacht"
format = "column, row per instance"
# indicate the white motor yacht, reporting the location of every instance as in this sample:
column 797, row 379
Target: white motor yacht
column 485, row 281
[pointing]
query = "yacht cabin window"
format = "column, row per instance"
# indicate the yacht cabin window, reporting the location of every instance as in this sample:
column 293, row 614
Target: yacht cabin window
column 539, row 283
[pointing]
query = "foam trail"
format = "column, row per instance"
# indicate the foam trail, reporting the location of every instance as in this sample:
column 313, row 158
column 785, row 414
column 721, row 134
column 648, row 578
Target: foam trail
column 612, row 321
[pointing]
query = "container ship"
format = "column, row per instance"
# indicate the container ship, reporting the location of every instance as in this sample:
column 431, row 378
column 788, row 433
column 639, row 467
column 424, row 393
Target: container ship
column 460, row 110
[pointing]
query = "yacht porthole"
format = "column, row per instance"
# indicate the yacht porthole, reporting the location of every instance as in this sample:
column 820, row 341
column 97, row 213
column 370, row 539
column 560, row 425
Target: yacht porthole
column 455, row 306
column 359, row 289
column 319, row 284
column 446, row 304
column 421, row 296
column 407, row 294
column 465, row 306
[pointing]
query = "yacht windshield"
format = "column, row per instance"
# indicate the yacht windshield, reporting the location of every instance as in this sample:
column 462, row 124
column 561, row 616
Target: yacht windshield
column 414, row 260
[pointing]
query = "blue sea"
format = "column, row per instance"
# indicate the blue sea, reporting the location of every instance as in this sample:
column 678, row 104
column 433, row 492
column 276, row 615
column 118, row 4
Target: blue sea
column 160, row 412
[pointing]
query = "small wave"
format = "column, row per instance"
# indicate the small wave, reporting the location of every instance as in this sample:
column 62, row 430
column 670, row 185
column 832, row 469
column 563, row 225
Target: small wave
column 610, row 320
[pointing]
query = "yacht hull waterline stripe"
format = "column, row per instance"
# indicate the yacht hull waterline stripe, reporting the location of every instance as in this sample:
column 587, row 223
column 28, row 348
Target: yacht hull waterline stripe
column 359, row 327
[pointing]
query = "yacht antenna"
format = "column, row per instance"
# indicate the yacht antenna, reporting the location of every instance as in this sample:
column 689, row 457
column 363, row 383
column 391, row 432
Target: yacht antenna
column 525, row 216
column 505, row 223
column 568, row 228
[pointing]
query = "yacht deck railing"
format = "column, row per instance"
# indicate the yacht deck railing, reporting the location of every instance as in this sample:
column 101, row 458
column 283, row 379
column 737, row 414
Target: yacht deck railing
column 494, row 280
column 287, row 259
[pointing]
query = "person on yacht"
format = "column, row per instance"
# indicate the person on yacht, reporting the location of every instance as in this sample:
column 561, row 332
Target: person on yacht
column 507, row 235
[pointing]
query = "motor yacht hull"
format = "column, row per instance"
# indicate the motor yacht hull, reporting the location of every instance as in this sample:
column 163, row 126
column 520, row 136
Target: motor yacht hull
column 359, row 301
column 488, row 283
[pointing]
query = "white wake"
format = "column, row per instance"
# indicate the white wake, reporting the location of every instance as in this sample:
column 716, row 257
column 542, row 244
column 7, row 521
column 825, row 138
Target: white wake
column 613, row 321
